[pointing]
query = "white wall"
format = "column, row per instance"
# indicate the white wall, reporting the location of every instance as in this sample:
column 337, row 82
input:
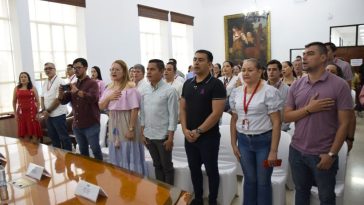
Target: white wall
column 294, row 23
column 112, row 29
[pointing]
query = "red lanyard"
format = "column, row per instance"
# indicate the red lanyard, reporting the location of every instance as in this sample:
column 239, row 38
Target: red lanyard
column 250, row 99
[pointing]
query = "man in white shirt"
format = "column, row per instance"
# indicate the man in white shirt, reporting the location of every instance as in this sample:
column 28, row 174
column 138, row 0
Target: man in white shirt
column 170, row 78
column 138, row 78
column 70, row 73
column 158, row 113
column 54, row 113
column 179, row 75
column 298, row 68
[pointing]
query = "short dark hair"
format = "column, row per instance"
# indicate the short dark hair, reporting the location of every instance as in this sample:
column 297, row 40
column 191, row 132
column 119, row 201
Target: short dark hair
column 159, row 63
column 82, row 61
column 140, row 67
column 173, row 61
column 274, row 61
column 98, row 72
column 218, row 65
column 174, row 66
column 299, row 57
column 321, row 47
column 209, row 55
column 70, row 65
column 331, row 45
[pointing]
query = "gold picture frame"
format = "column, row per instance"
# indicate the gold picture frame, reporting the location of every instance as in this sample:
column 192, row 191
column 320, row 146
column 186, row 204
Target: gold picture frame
column 247, row 36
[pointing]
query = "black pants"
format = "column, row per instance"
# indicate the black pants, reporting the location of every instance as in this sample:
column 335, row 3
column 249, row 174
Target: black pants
column 204, row 151
column 162, row 161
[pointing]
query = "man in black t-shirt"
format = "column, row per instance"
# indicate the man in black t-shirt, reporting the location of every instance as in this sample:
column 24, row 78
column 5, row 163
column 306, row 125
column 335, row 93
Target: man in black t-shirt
column 201, row 106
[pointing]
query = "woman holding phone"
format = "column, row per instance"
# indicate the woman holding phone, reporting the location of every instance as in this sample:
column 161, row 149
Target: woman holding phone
column 255, row 132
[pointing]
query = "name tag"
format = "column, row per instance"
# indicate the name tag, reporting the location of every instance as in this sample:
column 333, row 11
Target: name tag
column 245, row 124
column 36, row 172
column 89, row 191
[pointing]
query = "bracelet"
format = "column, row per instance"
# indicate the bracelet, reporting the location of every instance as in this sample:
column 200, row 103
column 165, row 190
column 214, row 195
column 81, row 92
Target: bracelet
column 308, row 112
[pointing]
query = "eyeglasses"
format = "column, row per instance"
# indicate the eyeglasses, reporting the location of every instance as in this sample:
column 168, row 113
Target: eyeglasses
column 48, row 68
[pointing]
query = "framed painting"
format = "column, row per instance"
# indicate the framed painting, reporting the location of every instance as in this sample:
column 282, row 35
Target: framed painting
column 247, row 36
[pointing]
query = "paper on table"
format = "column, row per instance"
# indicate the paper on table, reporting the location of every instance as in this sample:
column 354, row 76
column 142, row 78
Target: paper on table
column 89, row 191
column 23, row 182
column 35, row 171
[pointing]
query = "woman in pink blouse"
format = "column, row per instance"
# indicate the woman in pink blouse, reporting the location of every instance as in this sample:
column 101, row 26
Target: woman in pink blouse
column 122, row 100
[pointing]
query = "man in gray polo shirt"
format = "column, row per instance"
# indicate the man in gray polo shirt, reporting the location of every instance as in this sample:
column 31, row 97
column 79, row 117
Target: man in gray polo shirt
column 320, row 105
column 159, row 117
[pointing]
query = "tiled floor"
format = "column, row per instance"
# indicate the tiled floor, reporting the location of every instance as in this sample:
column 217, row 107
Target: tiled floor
column 354, row 186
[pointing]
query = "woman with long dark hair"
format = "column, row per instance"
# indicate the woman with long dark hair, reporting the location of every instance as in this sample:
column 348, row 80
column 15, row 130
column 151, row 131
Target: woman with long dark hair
column 96, row 75
column 289, row 76
column 26, row 106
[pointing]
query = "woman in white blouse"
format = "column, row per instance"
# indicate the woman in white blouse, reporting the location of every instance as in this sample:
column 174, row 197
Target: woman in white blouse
column 229, row 81
column 255, row 132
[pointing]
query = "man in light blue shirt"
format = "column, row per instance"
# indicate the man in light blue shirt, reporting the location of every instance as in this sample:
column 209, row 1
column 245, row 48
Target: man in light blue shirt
column 159, row 117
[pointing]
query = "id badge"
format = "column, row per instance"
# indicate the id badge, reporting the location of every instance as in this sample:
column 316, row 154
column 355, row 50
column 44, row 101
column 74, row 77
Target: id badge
column 245, row 124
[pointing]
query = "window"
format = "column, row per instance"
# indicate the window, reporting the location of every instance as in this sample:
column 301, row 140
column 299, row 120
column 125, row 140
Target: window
column 54, row 30
column 153, row 39
column 7, row 77
column 350, row 35
column 163, row 38
column 182, row 45
column 361, row 35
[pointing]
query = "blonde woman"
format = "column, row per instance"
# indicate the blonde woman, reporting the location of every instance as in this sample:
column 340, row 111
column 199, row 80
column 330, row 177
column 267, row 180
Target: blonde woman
column 122, row 99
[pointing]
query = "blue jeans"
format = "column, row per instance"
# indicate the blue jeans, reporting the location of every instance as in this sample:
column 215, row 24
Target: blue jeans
column 305, row 174
column 57, row 131
column 257, row 179
column 89, row 136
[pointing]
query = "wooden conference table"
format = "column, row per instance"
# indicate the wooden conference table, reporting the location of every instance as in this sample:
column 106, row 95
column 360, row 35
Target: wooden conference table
column 121, row 186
